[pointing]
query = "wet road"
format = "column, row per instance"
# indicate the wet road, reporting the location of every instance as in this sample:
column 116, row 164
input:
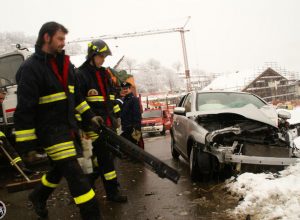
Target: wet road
column 150, row 197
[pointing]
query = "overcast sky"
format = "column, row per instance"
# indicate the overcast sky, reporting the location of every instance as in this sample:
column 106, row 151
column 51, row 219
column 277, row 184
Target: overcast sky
column 225, row 35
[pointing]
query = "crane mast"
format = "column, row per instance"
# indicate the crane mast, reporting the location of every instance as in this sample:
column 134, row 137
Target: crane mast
column 181, row 30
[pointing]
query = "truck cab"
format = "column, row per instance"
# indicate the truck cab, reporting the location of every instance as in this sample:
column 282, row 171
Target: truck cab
column 156, row 120
column 9, row 64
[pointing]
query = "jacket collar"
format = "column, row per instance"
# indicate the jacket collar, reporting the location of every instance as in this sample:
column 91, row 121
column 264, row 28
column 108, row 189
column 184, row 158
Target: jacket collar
column 90, row 67
column 41, row 55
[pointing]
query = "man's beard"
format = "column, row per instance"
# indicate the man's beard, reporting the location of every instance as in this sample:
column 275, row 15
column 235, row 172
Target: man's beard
column 54, row 50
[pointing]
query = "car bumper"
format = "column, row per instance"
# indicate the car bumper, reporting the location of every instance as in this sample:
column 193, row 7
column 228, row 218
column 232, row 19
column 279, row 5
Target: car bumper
column 233, row 158
column 150, row 129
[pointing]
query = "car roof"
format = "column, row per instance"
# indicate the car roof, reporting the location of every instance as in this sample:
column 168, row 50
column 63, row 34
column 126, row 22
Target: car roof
column 221, row 91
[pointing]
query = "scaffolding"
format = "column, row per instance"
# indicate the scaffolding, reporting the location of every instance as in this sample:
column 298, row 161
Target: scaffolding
column 274, row 83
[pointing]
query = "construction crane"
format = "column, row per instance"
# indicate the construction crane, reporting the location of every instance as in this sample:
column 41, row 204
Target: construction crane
column 181, row 30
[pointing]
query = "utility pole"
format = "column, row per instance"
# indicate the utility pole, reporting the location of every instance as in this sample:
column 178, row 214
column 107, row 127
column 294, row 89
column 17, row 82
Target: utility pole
column 181, row 30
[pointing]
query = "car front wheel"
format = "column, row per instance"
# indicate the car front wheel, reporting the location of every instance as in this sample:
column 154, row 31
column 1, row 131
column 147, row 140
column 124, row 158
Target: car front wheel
column 174, row 152
column 194, row 168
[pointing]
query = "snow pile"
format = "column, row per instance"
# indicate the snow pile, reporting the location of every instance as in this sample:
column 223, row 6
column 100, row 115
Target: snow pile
column 267, row 195
column 295, row 116
column 297, row 142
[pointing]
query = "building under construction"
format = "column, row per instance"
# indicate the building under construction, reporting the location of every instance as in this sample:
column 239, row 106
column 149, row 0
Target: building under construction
column 273, row 87
column 271, row 83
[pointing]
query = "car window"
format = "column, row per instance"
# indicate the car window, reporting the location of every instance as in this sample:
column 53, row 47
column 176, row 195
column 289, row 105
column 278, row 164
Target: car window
column 188, row 103
column 8, row 68
column 152, row 114
column 213, row 101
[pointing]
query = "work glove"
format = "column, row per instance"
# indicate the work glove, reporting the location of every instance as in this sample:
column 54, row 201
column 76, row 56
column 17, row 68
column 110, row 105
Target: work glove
column 136, row 134
column 97, row 121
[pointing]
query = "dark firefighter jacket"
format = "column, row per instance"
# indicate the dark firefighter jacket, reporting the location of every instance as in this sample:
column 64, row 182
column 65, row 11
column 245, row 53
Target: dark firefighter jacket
column 46, row 103
column 97, row 88
column 131, row 113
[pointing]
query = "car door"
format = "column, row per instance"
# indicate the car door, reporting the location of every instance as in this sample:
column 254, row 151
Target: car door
column 176, row 119
column 182, row 125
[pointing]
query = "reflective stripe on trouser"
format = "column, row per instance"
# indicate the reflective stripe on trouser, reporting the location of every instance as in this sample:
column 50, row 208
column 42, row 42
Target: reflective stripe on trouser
column 78, row 185
column 106, row 167
column 110, row 175
column 47, row 183
column 61, row 150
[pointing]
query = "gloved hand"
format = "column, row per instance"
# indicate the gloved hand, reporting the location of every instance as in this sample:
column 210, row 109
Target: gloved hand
column 136, row 134
column 97, row 121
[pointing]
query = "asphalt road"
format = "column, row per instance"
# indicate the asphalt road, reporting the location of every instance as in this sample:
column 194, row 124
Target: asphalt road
column 149, row 197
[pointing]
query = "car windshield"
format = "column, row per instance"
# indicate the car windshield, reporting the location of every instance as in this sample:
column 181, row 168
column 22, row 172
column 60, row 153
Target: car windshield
column 152, row 114
column 213, row 101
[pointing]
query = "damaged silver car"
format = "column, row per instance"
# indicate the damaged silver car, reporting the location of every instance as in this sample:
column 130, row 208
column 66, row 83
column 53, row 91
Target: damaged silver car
column 219, row 131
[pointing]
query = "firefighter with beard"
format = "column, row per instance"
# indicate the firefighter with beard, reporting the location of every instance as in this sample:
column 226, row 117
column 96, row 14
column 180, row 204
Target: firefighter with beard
column 45, row 115
column 97, row 88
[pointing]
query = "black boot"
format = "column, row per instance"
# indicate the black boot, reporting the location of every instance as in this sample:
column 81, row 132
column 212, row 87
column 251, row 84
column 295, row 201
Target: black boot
column 90, row 210
column 38, row 197
column 116, row 196
column 112, row 191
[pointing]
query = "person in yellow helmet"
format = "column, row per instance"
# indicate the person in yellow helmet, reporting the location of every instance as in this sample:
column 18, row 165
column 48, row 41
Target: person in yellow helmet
column 97, row 88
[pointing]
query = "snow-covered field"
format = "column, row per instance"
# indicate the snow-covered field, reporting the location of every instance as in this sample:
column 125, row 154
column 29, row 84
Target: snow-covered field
column 268, row 195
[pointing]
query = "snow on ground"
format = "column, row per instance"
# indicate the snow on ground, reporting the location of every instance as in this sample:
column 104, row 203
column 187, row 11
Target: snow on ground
column 267, row 195
column 295, row 115
column 297, row 142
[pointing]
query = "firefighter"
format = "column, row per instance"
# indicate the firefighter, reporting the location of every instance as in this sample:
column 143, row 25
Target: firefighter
column 47, row 97
column 131, row 116
column 97, row 88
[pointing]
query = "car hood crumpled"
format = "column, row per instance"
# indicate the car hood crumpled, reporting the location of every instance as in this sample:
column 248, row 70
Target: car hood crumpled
column 266, row 114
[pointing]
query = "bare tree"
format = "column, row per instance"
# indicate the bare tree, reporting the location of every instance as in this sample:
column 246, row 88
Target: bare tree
column 73, row 49
column 8, row 40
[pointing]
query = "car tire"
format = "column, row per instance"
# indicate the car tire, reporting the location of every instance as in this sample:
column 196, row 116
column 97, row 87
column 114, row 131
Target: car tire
column 194, row 168
column 174, row 152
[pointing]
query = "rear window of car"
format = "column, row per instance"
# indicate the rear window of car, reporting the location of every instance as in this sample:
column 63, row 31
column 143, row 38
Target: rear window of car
column 214, row 101
column 152, row 114
column 8, row 68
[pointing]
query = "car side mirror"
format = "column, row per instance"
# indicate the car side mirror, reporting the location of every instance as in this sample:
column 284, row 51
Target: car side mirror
column 283, row 114
column 179, row 110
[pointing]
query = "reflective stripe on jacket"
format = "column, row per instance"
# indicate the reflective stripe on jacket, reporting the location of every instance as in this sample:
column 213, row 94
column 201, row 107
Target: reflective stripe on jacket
column 101, row 98
column 46, row 106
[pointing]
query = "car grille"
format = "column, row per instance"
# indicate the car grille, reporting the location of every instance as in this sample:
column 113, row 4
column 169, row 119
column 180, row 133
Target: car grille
column 148, row 124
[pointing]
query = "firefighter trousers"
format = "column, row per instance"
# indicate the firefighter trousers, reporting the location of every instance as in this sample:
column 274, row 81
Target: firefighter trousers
column 79, row 187
column 104, row 166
